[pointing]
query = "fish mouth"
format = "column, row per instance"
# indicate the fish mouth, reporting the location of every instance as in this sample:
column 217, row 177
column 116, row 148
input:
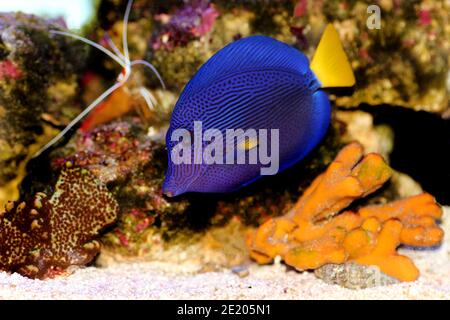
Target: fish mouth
column 170, row 189
column 168, row 194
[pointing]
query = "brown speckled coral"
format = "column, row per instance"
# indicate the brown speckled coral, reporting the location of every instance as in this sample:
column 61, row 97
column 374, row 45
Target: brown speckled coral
column 45, row 236
column 316, row 232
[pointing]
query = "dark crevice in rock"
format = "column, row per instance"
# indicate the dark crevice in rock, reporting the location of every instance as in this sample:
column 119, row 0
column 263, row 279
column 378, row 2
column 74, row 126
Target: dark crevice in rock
column 421, row 146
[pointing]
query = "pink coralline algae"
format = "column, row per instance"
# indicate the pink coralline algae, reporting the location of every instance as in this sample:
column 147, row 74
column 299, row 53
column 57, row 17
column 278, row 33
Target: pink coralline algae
column 425, row 17
column 9, row 69
column 300, row 8
column 194, row 20
column 44, row 236
column 207, row 22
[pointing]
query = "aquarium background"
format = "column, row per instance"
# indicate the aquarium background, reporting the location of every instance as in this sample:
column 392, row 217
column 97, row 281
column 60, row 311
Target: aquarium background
column 75, row 12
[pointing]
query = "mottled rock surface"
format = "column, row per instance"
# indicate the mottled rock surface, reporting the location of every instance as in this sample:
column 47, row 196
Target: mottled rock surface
column 404, row 62
column 39, row 75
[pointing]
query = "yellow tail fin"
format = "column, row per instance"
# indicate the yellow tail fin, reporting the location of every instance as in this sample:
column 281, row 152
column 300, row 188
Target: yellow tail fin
column 330, row 63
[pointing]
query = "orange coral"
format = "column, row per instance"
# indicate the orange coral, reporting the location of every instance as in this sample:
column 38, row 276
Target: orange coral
column 417, row 214
column 383, row 254
column 317, row 232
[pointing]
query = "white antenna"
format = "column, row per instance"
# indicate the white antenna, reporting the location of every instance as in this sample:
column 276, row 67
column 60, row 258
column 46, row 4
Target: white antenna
column 113, row 46
column 122, row 59
column 126, row 53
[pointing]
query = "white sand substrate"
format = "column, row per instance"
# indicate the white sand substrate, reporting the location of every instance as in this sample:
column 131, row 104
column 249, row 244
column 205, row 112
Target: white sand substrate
column 157, row 280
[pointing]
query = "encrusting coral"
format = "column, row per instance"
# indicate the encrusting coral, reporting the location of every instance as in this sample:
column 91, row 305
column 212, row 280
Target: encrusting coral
column 317, row 232
column 44, row 236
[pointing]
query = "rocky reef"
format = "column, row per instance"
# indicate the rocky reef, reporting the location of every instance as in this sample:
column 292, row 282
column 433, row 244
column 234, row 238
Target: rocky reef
column 105, row 181
column 39, row 75
column 131, row 161
column 211, row 230
column 404, row 62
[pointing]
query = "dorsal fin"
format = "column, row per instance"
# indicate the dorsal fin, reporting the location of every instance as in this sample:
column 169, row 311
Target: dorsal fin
column 330, row 63
column 254, row 52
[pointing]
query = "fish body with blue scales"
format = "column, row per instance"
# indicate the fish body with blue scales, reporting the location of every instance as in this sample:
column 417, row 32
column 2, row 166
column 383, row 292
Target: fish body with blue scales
column 255, row 83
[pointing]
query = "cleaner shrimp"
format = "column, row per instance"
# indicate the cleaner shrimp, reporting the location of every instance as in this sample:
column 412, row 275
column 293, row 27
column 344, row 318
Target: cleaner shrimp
column 123, row 59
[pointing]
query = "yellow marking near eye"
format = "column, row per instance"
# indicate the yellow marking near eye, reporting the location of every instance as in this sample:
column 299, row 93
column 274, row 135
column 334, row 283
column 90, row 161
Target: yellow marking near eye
column 248, row 144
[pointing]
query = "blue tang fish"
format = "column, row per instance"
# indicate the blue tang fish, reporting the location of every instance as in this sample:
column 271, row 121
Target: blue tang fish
column 254, row 83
